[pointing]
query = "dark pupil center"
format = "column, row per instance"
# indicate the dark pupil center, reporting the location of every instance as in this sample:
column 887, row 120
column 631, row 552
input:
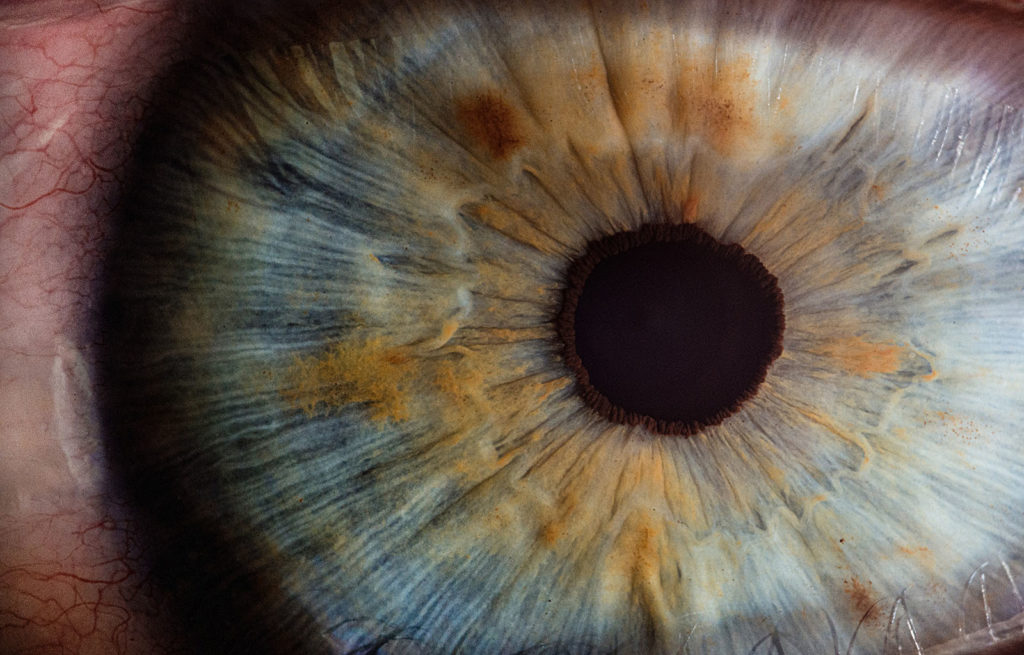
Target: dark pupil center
column 670, row 328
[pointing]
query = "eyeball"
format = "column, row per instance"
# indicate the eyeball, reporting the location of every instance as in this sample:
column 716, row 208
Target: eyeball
column 660, row 327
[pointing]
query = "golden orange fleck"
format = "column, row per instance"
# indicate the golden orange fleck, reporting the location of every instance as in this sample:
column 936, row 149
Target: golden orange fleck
column 457, row 384
column 506, row 458
column 645, row 551
column 690, row 208
column 491, row 122
column 368, row 372
column 545, row 389
column 775, row 473
column 864, row 358
column 553, row 530
column 636, row 557
column 503, row 335
column 448, row 329
column 922, row 555
column 907, row 550
column 590, row 80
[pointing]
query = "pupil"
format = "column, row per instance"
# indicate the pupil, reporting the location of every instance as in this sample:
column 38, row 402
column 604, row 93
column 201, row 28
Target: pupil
column 669, row 328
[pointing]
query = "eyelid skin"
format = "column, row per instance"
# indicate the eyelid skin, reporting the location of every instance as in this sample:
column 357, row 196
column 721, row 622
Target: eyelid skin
column 76, row 77
column 68, row 370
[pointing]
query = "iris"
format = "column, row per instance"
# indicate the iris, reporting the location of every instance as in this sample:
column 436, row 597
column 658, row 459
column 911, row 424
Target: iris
column 346, row 402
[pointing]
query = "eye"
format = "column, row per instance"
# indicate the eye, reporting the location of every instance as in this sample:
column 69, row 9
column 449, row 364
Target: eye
column 342, row 391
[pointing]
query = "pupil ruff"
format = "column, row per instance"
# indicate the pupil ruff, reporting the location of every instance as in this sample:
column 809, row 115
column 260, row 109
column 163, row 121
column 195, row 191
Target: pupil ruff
column 668, row 328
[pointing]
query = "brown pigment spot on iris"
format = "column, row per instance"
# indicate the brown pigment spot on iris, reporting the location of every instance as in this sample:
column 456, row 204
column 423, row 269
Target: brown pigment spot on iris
column 720, row 103
column 862, row 597
column 491, row 123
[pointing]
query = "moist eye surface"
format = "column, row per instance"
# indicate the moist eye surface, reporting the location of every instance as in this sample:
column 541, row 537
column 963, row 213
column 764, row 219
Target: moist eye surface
column 345, row 394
